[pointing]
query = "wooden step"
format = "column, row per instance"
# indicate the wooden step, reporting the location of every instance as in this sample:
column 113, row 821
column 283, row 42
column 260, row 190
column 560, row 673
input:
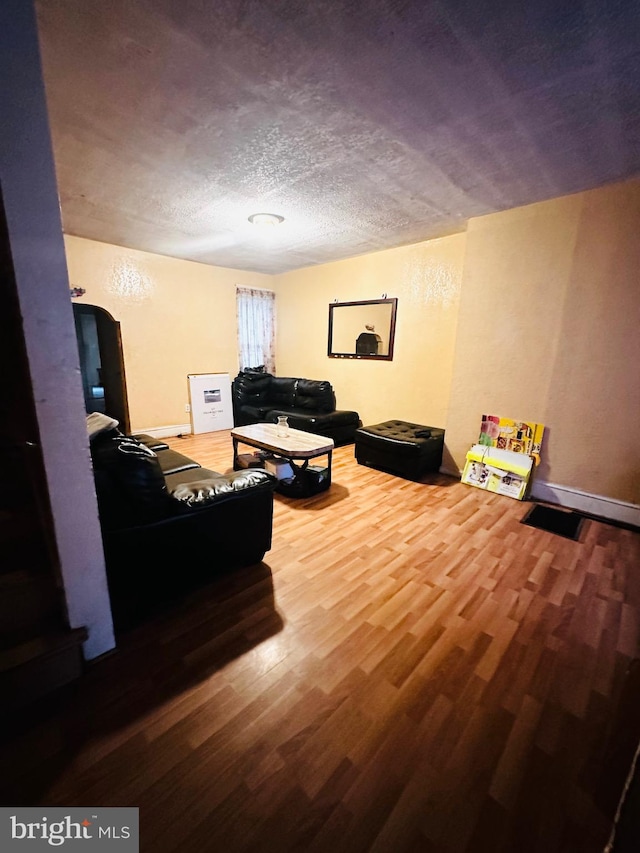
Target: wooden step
column 39, row 666
column 22, row 543
column 17, row 489
column 17, row 525
column 30, row 605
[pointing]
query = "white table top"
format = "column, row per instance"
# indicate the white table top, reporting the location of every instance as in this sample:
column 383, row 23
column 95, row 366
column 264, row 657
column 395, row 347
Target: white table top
column 296, row 444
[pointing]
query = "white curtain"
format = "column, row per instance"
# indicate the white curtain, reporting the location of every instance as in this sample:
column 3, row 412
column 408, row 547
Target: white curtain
column 256, row 328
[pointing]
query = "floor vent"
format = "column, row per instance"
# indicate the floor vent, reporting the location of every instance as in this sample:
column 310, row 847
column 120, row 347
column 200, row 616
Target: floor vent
column 559, row 521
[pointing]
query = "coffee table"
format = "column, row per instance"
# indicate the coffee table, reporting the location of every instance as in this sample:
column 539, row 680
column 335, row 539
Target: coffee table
column 296, row 445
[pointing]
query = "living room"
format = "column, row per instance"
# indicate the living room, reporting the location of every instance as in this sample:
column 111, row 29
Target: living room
column 531, row 310
column 536, row 306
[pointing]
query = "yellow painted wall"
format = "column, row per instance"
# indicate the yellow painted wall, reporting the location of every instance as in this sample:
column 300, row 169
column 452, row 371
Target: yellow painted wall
column 549, row 330
column 415, row 386
column 177, row 317
column 534, row 313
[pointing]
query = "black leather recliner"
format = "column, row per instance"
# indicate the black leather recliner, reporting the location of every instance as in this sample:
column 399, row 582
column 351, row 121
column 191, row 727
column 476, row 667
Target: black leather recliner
column 309, row 404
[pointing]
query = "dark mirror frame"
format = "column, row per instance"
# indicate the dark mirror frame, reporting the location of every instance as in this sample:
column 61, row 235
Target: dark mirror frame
column 389, row 333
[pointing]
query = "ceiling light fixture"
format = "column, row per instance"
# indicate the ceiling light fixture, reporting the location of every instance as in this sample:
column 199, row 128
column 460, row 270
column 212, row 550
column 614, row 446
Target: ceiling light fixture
column 265, row 219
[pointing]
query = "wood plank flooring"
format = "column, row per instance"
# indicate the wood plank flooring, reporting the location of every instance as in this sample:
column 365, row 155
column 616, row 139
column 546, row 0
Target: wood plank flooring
column 410, row 669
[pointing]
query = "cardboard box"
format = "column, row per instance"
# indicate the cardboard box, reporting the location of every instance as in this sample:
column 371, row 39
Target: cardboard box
column 279, row 467
column 250, row 460
column 505, row 472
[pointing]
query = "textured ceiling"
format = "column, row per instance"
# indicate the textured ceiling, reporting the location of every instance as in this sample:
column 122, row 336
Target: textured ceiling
column 367, row 124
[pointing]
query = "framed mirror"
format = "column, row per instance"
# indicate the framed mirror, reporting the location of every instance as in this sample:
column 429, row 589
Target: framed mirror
column 362, row 329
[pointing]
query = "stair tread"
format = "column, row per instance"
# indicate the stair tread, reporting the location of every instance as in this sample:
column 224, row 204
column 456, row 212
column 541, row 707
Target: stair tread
column 42, row 646
column 19, row 634
column 25, row 576
column 14, row 524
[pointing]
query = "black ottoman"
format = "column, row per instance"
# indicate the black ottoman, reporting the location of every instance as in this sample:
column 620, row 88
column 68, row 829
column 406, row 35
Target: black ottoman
column 399, row 447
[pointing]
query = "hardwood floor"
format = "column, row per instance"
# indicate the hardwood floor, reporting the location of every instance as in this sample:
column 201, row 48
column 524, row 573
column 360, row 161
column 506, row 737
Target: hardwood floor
column 410, row 669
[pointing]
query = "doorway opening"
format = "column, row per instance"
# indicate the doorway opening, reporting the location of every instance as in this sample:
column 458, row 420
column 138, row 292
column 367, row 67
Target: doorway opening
column 101, row 363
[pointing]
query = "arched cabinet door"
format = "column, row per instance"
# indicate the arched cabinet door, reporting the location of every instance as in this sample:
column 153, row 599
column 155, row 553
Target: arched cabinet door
column 102, row 363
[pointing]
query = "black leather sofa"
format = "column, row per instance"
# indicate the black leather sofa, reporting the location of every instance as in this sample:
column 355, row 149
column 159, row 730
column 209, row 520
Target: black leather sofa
column 309, row 404
column 167, row 523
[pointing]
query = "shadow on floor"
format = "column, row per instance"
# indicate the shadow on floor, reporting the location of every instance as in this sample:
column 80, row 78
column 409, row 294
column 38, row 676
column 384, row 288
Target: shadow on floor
column 176, row 649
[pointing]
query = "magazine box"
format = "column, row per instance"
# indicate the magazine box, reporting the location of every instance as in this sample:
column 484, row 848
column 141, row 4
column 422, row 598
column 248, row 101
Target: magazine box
column 505, row 472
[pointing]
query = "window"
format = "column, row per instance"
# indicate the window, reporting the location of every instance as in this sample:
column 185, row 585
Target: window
column 256, row 328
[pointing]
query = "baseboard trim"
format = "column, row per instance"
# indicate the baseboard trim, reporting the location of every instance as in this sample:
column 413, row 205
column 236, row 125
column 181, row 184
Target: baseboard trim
column 450, row 472
column 597, row 505
column 165, row 431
